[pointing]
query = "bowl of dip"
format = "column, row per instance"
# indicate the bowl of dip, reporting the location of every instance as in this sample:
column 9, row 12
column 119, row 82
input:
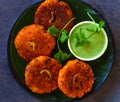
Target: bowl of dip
column 94, row 44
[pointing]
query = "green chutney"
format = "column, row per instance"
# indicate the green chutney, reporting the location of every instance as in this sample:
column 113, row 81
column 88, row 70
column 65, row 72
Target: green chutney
column 96, row 45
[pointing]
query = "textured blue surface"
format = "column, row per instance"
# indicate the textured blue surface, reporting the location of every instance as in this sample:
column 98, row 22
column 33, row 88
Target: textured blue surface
column 10, row 91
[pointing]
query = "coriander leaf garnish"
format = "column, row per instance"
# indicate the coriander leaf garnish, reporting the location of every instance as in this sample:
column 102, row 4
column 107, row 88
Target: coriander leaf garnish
column 101, row 25
column 90, row 11
column 54, row 31
column 80, row 38
column 81, row 35
column 62, row 36
column 91, row 17
column 61, row 56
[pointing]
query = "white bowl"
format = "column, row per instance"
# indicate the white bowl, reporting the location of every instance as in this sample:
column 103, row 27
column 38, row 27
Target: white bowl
column 90, row 58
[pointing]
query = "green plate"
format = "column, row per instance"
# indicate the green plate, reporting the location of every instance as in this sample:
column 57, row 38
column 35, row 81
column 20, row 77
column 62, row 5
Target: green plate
column 101, row 66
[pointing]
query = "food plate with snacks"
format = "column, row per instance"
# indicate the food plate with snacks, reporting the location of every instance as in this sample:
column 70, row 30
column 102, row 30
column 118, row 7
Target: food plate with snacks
column 61, row 50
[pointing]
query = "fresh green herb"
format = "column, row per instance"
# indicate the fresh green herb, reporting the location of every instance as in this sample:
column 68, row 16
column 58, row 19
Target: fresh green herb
column 91, row 17
column 91, row 11
column 62, row 36
column 53, row 31
column 61, row 56
column 80, row 38
column 93, row 29
column 99, row 26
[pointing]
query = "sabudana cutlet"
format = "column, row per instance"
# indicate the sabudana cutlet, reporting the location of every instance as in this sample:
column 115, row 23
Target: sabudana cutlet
column 54, row 12
column 33, row 41
column 41, row 74
column 76, row 78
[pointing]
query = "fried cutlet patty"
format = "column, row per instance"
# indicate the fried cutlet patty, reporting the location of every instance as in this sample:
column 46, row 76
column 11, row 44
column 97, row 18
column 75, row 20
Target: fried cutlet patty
column 33, row 41
column 76, row 78
column 52, row 12
column 41, row 74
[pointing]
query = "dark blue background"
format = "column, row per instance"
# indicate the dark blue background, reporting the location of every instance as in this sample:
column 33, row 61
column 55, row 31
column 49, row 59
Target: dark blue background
column 10, row 91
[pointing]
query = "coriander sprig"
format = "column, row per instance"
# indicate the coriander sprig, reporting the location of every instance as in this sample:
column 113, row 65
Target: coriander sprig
column 62, row 36
column 100, row 24
column 80, row 37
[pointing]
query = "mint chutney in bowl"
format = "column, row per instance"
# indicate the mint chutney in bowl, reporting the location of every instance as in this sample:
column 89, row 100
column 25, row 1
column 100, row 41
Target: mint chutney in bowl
column 85, row 43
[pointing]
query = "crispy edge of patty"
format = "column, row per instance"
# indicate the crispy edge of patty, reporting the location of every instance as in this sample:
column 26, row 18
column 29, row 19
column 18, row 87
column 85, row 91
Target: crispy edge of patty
column 37, row 76
column 54, row 13
column 32, row 41
column 76, row 79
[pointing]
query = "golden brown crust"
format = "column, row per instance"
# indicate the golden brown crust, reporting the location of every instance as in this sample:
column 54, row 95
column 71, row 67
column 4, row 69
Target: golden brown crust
column 54, row 13
column 76, row 78
column 41, row 74
column 33, row 41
